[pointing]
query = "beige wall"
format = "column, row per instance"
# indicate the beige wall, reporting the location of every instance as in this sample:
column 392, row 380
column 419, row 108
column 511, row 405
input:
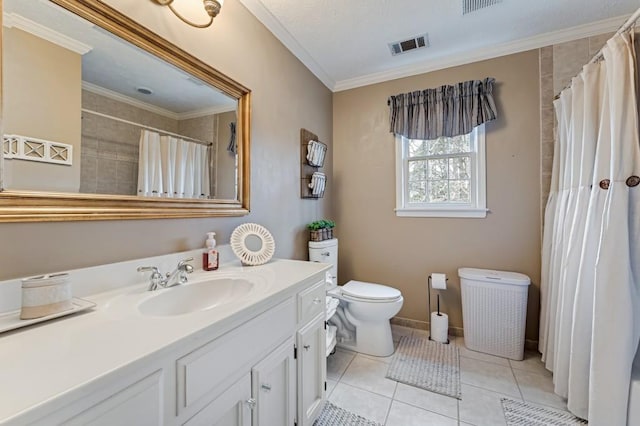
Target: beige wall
column 41, row 83
column 377, row 246
column 201, row 128
column 285, row 97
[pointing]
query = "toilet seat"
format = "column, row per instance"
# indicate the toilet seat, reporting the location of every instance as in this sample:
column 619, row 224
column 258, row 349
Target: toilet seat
column 369, row 292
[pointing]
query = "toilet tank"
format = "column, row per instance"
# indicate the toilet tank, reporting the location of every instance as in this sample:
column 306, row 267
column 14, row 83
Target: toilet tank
column 327, row 252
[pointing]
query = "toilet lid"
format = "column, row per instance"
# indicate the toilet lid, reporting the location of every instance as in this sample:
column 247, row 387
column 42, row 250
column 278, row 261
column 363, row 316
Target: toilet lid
column 370, row 291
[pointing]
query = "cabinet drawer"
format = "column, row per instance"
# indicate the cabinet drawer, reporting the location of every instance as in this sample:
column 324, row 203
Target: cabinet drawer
column 141, row 401
column 205, row 371
column 311, row 302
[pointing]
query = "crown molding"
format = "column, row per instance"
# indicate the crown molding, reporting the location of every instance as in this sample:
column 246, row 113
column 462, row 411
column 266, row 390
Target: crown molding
column 530, row 43
column 14, row 20
column 258, row 9
column 155, row 109
column 205, row 112
column 98, row 90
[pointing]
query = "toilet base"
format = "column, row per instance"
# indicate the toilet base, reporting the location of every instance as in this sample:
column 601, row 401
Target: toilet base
column 372, row 339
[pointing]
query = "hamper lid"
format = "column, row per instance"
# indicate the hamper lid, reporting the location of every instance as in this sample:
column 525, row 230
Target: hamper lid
column 498, row 277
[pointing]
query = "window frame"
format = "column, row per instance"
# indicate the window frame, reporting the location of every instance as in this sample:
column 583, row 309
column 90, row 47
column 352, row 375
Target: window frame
column 477, row 208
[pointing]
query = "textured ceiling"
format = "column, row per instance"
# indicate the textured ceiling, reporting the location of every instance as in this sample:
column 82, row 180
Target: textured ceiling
column 345, row 43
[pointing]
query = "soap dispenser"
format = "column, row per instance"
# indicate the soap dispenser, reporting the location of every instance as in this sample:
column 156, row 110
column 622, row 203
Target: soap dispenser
column 210, row 254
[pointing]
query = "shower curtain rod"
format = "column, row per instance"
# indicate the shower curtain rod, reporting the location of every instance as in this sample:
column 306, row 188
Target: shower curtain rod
column 630, row 22
column 598, row 56
column 624, row 27
column 163, row 132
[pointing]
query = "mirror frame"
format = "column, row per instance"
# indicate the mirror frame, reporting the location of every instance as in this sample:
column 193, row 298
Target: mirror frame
column 32, row 206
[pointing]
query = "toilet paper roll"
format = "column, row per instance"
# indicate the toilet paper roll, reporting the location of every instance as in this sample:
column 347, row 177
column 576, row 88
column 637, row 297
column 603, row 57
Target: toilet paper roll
column 439, row 327
column 439, row 281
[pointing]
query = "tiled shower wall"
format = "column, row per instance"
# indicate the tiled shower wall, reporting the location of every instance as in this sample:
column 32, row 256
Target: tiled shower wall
column 558, row 65
column 109, row 156
column 109, row 159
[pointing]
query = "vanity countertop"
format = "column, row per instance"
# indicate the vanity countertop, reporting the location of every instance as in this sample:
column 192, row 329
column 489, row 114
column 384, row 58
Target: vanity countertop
column 45, row 361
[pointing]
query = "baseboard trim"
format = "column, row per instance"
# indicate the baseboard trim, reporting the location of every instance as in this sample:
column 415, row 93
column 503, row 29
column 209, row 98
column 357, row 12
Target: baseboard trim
column 453, row 331
column 423, row 325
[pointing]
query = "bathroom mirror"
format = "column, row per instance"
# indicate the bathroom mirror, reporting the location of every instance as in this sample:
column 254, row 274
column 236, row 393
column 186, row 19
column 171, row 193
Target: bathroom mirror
column 103, row 119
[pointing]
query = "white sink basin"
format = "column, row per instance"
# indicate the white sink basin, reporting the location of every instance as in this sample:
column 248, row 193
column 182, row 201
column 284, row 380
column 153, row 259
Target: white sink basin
column 200, row 296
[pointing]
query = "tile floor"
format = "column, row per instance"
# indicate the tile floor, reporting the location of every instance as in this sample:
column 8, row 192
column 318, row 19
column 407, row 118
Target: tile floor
column 357, row 383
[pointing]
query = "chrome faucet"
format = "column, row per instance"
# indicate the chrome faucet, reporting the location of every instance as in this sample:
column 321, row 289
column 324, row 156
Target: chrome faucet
column 178, row 276
column 155, row 280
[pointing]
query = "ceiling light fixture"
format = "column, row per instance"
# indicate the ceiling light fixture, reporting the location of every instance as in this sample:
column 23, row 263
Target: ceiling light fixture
column 212, row 7
column 144, row 90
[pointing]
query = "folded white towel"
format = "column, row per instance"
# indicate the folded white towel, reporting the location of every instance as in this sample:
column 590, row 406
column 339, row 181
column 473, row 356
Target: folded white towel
column 310, row 146
column 317, row 183
column 321, row 184
column 315, row 153
column 323, row 150
column 332, row 303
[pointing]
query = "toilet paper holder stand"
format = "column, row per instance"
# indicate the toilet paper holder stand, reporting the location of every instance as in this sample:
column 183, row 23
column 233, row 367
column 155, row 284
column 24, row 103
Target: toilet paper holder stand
column 438, row 306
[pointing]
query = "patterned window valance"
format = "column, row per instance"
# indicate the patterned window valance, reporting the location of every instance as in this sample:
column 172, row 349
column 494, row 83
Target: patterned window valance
column 444, row 111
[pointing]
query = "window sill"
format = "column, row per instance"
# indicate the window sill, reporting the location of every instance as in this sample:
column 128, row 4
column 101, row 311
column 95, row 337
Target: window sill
column 442, row 212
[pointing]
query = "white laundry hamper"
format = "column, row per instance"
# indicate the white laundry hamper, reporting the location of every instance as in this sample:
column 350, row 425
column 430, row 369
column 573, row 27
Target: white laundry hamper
column 494, row 311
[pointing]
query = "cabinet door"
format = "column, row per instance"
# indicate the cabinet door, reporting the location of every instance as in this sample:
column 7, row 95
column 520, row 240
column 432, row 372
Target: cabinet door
column 274, row 388
column 312, row 370
column 232, row 408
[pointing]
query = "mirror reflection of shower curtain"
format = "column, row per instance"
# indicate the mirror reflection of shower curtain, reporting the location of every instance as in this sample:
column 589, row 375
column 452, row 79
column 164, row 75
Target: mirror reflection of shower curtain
column 172, row 167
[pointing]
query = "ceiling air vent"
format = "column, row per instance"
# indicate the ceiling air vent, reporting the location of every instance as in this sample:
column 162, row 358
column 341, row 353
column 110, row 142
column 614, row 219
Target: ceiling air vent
column 469, row 6
column 404, row 46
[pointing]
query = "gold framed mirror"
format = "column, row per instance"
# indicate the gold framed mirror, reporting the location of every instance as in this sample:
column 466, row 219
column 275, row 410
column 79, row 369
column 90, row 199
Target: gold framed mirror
column 48, row 175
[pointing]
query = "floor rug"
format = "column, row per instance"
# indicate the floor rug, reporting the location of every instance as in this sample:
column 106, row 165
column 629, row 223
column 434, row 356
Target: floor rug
column 333, row 415
column 426, row 364
column 518, row 413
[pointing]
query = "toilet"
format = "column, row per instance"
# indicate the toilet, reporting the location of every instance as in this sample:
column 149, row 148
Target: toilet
column 363, row 315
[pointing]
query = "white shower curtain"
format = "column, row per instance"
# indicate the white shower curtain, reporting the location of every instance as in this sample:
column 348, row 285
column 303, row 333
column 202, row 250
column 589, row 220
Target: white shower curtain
column 172, row 167
column 590, row 317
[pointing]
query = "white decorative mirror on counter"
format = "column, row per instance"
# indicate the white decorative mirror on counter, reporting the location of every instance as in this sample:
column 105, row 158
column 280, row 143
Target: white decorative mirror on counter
column 103, row 119
column 253, row 244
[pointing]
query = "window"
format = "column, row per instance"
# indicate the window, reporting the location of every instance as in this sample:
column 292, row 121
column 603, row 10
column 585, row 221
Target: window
column 444, row 177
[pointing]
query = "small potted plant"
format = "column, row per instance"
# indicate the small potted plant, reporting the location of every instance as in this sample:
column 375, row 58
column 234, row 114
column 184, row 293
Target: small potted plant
column 321, row 229
column 316, row 233
column 329, row 225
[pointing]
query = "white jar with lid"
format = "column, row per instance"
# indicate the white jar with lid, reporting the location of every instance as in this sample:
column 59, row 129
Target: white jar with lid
column 45, row 295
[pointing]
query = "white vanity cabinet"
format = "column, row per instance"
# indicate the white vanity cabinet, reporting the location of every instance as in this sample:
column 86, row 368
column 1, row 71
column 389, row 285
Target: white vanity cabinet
column 265, row 367
column 274, row 387
column 311, row 353
column 312, row 365
column 233, row 407
column 115, row 404
column 288, row 380
column 208, row 371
